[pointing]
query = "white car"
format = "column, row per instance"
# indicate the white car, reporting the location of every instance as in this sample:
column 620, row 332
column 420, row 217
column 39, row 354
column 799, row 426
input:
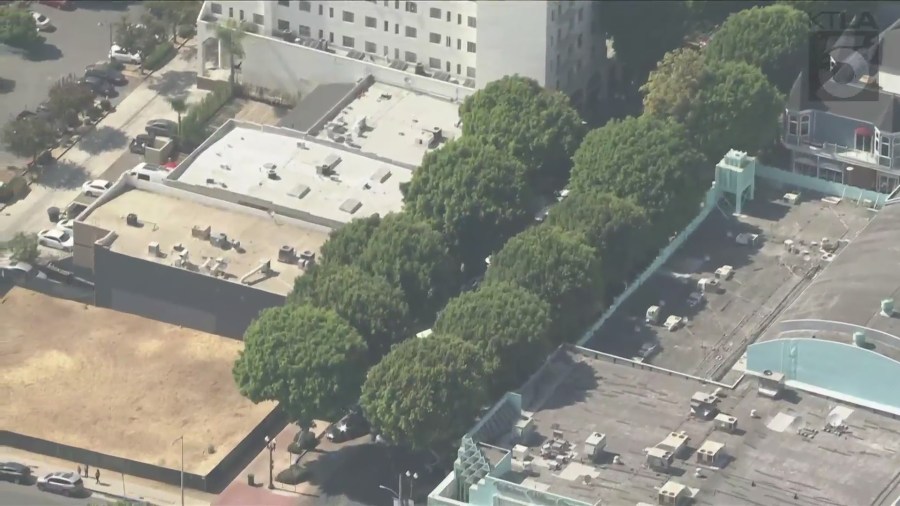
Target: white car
column 56, row 239
column 42, row 22
column 66, row 226
column 96, row 187
column 118, row 54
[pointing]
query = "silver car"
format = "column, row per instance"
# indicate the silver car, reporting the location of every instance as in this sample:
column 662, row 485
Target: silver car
column 68, row 484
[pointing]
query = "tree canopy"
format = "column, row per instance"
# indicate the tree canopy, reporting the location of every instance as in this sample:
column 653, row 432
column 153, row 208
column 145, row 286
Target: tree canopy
column 308, row 359
column 537, row 126
column 28, row 137
column 409, row 253
column 18, row 28
column 346, row 244
column 508, row 324
column 616, row 228
column 559, row 267
column 650, row 161
column 175, row 13
column 23, row 247
column 774, row 38
column 477, row 196
column 375, row 308
column 671, row 89
column 68, row 99
column 426, row 393
column 703, row 15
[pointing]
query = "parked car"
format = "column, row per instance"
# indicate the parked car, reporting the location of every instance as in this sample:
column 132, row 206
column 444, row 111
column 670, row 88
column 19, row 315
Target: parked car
column 13, row 471
column 107, row 73
column 68, row 484
column 647, row 351
column 96, row 187
column 99, row 86
column 59, row 4
column 117, row 53
column 17, row 272
column 162, row 128
column 42, row 22
column 139, row 144
column 56, row 239
column 351, row 426
column 66, row 225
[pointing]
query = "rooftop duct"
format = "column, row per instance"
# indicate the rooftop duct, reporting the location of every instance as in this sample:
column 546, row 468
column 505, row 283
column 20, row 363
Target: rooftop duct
column 887, row 307
column 859, row 339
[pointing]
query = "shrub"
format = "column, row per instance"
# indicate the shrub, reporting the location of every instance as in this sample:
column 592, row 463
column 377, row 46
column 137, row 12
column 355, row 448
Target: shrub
column 186, row 31
column 194, row 123
column 303, row 441
column 105, row 104
column 294, row 475
column 160, row 55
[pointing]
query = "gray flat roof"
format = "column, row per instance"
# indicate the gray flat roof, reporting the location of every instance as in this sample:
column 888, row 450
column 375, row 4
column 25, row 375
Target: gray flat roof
column 314, row 106
column 396, row 119
column 767, row 461
column 169, row 221
column 239, row 162
column 765, row 280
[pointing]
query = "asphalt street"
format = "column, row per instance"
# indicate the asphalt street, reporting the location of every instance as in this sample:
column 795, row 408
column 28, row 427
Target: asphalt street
column 19, row 495
column 82, row 37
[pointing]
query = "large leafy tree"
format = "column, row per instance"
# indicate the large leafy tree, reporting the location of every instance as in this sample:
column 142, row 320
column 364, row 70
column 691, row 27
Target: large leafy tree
column 346, row 245
column 477, row 196
column 231, row 33
column 616, row 228
column 28, row 137
column 815, row 7
column 68, row 99
column 410, row 254
column 175, row 13
column 737, row 108
column 375, row 308
column 649, row 160
column 704, row 15
column 642, row 32
column 671, row 89
column 18, row 28
column 508, row 324
column 308, row 359
column 537, row 126
column 559, row 267
column 774, row 38
column 426, row 393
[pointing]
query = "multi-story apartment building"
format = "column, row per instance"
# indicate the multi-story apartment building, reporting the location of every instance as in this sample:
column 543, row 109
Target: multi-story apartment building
column 464, row 42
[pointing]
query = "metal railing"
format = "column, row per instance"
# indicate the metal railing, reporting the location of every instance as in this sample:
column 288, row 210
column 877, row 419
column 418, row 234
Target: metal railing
column 837, row 151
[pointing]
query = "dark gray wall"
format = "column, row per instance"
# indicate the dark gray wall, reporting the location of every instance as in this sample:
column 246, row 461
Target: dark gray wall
column 173, row 295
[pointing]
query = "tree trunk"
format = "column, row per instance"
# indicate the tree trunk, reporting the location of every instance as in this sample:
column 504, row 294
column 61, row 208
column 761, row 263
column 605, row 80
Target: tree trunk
column 231, row 62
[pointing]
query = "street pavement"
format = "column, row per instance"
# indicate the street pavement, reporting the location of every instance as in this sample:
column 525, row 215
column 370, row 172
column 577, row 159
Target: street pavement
column 20, row 495
column 81, row 38
column 105, row 146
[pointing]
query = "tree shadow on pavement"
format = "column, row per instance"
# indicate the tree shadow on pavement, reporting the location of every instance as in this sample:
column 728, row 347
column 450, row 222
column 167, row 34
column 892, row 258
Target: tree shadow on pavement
column 44, row 52
column 104, row 5
column 174, row 83
column 63, row 175
column 102, row 139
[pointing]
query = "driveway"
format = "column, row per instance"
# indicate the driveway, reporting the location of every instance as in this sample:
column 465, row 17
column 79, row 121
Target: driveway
column 104, row 147
column 81, row 38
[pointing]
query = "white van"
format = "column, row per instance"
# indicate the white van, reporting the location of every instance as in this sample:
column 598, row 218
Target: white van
column 149, row 172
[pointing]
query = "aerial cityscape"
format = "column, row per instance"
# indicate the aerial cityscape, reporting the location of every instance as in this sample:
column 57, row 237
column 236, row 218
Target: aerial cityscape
column 448, row 253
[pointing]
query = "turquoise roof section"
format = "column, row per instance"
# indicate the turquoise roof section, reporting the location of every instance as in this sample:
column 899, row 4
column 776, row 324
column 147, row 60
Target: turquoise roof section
column 841, row 371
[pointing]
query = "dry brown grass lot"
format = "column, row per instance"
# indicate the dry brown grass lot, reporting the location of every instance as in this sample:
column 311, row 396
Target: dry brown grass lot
column 119, row 384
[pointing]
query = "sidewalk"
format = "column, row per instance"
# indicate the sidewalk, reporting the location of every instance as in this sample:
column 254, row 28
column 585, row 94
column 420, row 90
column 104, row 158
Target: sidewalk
column 112, row 485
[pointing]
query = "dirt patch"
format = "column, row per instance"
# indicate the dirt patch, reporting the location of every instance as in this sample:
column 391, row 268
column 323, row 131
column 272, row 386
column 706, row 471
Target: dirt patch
column 119, row 384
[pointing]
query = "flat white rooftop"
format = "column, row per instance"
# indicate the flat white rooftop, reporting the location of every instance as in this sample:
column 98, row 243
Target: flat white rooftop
column 169, row 221
column 396, row 120
column 354, row 186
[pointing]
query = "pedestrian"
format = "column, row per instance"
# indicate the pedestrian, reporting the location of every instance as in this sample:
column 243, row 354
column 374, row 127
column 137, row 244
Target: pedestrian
column 86, row 473
column 97, row 475
column 79, row 471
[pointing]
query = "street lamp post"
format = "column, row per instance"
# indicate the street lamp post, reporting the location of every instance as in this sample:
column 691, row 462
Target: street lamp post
column 412, row 480
column 270, row 444
column 182, row 466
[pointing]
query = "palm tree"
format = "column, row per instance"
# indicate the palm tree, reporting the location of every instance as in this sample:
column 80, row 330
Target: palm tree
column 179, row 105
column 231, row 34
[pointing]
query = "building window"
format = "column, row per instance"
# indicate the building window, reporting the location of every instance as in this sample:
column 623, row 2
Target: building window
column 284, row 25
column 449, row 16
column 348, row 16
column 459, row 44
column 448, row 66
column 305, row 6
column 411, row 7
column 216, row 8
column 470, row 72
column 411, row 32
column 331, row 12
column 793, row 125
column 371, row 22
column 578, row 43
column 580, row 14
column 434, row 38
column 397, row 29
column 458, row 68
column 470, row 47
column 283, row 3
column 435, row 13
column 829, row 174
column 434, row 63
column 331, row 37
column 371, row 47
column 241, row 14
column 885, row 147
column 258, row 19
column 472, row 22
column 449, row 41
column 304, row 30
column 804, row 126
column 396, row 4
column 387, row 26
column 321, row 34
column 231, row 12
column 459, row 19
column 410, row 57
column 348, row 41
column 321, row 9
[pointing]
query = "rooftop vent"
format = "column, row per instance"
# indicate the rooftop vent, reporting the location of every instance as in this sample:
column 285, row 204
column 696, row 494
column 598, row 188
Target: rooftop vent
column 350, row 206
column 859, row 339
column 153, row 248
column 299, row 191
column 887, row 307
column 132, row 220
column 201, row 232
column 381, row 175
column 328, row 165
column 287, row 255
column 220, row 240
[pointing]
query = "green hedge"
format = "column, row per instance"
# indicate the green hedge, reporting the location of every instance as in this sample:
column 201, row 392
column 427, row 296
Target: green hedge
column 160, row 55
column 194, row 129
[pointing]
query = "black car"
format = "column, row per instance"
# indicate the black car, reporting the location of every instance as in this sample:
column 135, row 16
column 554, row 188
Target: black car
column 15, row 472
column 99, row 86
column 139, row 144
column 106, row 73
column 352, row 426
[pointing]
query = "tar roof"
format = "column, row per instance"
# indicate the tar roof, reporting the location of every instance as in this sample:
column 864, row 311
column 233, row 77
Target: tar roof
column 767, row 461
column 351, row 186
column 169, row 221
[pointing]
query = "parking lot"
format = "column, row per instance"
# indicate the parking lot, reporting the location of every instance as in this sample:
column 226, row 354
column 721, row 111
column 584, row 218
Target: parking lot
column 81, row 37
column 719, row 325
